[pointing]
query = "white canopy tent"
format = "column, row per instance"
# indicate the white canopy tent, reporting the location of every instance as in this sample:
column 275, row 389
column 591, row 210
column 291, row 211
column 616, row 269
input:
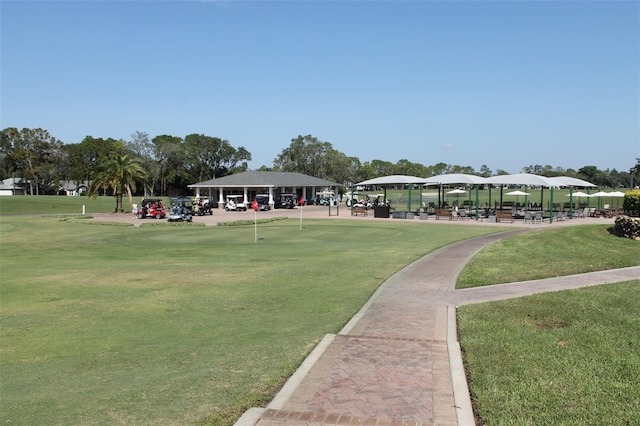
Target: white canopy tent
column 526, row 179
column 454, row 178
column 571, row 182
column 529, row 179
column 390, row 180
column 393, row 180
column 457, row 178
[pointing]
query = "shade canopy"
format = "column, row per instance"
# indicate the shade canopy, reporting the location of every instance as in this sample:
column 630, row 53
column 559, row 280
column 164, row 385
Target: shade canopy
column 457, row 191
column 600, row 194
column 393, row 180
column 517, row 193
column 616, row 194
column 579, row 194
column 521, row 179
column 453, row 178
column 571, row 181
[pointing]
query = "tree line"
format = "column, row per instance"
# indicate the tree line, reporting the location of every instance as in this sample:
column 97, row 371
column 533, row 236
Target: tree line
column 165, row 165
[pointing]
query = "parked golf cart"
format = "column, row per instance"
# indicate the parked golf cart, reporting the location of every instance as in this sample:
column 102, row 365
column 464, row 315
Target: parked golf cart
column 181, row 209
column 286, row 201
column 325, row 198
column 202, row 206
column 152, row 208
column 355, row 198
column 235, row 203
column 263, row 202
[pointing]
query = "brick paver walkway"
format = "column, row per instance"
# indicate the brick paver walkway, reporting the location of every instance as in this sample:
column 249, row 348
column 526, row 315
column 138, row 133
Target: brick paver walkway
column 392, row 363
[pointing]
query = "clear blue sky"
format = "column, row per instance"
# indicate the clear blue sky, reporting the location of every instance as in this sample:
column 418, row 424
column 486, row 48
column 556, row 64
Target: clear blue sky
column 502, row 83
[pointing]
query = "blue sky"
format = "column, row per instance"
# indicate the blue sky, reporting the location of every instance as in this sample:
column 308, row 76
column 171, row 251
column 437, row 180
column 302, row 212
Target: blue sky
column 502, row 83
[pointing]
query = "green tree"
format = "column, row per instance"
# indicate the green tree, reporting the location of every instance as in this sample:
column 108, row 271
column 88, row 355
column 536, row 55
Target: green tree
column 406, row 167
column 210, row 157
column 82, row 159
column 312, row 157
column 30, row 154
column 592, row 174
column 439, row 169
column 383, row 168
column 144, row 150
column 485, row 171
column 170, row 156
column 119, row 174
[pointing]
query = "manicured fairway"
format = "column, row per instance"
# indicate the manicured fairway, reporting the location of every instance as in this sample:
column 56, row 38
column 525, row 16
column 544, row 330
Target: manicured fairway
column 565, row 358
column 552, row 253
column 562, row 358
column 179, row 324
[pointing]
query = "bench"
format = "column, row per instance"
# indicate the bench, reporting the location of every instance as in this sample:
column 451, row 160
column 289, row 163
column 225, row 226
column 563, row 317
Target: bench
column 504, row 216
column 360, row 210
column 443, row 213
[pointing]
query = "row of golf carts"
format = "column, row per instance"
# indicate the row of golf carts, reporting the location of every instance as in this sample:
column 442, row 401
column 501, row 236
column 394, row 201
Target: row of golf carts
column 283, row 201
column 182, row 209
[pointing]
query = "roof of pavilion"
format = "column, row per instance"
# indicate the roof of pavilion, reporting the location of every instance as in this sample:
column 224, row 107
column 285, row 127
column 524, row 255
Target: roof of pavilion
column 264, row 179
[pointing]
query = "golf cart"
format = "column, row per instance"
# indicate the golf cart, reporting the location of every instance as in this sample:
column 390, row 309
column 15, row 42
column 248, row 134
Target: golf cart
column 325, row 198
column 263, row 202
column 202, row 206
column 235, row 203
column 356, row 199
column 152, row 208
column 286, row 201
column 181, row 209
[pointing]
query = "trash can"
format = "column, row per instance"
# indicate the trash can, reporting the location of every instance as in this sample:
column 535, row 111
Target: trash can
column 424, row 216
column 408, row 215
column 381, row 211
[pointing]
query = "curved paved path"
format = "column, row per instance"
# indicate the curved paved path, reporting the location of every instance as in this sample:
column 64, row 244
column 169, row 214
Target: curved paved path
column 397, row 362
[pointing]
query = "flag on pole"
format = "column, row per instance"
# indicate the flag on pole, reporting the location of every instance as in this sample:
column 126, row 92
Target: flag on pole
column 255, row 208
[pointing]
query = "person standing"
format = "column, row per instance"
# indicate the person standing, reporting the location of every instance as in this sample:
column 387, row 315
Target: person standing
column 134, row 209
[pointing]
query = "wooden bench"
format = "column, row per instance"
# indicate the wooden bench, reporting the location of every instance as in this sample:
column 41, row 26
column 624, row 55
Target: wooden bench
column 502, row 215
column 360, row 210
column 443, row 213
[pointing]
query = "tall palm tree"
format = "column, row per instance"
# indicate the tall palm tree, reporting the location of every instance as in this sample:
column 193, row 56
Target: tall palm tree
column 120, row 174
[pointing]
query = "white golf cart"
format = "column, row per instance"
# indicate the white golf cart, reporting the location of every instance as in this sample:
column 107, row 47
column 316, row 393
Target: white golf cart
column 235, row 203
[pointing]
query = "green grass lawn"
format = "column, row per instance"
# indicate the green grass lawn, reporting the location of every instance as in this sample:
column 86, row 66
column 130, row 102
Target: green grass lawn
column 554, row 252
column 192, row 325
column 179, row 324
column 565, row 358
column 51, row 204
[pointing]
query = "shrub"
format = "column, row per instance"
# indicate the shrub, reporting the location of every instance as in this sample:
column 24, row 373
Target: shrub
column 626, row 226
column 631, row 204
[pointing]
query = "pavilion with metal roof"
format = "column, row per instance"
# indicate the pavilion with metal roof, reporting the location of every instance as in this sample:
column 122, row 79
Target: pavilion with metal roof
column 251, row 183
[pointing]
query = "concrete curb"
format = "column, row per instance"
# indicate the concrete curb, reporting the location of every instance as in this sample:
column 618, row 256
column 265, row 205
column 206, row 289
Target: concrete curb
column 461, row 396
column 250, row 417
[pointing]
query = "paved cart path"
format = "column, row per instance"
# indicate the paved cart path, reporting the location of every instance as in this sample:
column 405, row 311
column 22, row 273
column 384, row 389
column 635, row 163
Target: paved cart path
column 397, row 362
